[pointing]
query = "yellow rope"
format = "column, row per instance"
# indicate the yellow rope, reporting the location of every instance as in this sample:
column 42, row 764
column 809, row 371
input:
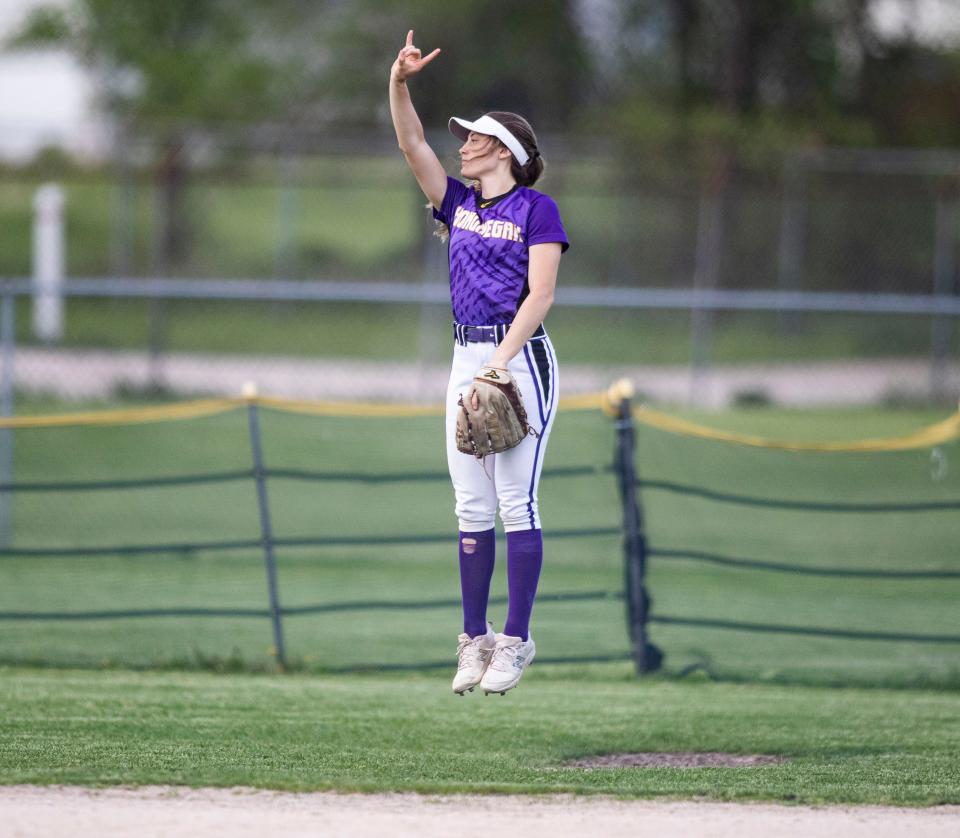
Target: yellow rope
column 936, row 434
column 591, row 401
column 945, row 431
column 588, row 401
column 348, row 409
column 129, row 416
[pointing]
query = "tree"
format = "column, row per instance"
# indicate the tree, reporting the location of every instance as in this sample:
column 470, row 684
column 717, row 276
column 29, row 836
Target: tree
column 166, row 66
column 911, row 94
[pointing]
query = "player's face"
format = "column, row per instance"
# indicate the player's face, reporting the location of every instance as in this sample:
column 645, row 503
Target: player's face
column 478, row 154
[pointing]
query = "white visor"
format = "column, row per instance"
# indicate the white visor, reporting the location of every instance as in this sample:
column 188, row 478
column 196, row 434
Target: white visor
column 488, row 125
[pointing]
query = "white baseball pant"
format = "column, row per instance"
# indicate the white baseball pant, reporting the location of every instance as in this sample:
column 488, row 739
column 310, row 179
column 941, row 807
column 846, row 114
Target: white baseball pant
column 509, row 479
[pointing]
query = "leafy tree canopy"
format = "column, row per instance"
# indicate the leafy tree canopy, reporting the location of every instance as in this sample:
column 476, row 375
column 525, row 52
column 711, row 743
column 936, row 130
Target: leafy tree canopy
column 175, row 60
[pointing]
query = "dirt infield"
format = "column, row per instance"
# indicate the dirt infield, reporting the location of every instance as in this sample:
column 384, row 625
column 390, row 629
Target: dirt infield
column 153, row 811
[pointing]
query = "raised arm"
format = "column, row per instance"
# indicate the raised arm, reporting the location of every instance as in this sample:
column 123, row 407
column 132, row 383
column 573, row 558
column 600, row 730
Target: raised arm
column 422, row 160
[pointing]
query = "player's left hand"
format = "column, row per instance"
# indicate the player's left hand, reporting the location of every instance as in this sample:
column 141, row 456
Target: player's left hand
column 474, row 401
column 495, row 364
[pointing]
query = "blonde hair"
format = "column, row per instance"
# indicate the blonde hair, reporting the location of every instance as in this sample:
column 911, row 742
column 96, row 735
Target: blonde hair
column 441, row 230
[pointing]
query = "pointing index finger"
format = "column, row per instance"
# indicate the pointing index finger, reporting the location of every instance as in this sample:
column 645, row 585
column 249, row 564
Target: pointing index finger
column 430, row 57
column 410, row 38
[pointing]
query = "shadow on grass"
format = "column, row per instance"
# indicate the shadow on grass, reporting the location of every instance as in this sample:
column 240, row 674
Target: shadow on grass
column 571, row 668
column 703, row 670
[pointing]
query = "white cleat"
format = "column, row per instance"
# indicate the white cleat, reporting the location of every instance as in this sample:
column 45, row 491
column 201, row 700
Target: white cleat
column 510, row 658
column 473, row 658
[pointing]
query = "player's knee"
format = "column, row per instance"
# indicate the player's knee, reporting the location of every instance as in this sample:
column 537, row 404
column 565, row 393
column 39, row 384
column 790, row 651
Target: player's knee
column 475, row 517
column 475, row 512
column 519, row 515
column 475, row 524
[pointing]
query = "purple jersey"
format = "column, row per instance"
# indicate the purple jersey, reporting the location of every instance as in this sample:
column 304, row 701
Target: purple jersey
column 488, row 249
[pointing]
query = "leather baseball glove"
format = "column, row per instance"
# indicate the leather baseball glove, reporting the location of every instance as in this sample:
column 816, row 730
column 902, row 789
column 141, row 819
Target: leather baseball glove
column 499, row 422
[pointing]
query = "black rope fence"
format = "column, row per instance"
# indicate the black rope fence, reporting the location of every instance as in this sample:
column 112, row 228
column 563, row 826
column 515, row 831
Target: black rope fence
column 415, row 477
column 637, row 551
column 318, row 541
column 806, row 630
column 791, row 568
column 804, row 505
column 267, row 541
column 140, row 483
column 321, row 608
column 274, row 473
column 846, row 572
column 130, row 549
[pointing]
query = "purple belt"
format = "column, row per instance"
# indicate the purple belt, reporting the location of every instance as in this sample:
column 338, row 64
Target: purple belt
column 464, row 334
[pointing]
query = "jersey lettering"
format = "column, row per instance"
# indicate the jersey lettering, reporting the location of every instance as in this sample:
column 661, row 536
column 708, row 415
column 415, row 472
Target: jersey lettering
column 465, row 219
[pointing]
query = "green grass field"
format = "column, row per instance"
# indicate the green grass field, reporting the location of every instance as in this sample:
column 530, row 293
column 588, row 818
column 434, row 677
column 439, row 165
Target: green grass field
column 73, row 708
column 408, row 733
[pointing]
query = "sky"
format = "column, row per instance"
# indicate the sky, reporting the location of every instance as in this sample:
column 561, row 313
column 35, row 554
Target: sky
column 45, row 97
column 933, row 21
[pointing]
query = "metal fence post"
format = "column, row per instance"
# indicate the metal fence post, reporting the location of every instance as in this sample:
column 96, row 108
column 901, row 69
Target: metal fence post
column 646, row 656
column 790, row 251
column 944, row 277
column 706, row 276
column 266, row 531
column 8, row 341
column 288, row 212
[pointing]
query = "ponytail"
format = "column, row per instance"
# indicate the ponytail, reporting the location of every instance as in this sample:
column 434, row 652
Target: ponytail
column 529, row 174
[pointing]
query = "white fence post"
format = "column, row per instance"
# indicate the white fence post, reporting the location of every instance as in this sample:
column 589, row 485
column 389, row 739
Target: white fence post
column 48, row 269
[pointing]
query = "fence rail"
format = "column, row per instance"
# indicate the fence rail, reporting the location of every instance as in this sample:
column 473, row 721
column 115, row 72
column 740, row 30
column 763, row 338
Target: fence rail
column 307, row 364
column 431, row 292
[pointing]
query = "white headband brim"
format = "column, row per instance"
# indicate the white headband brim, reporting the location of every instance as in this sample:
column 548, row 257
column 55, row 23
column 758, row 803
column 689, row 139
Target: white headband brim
column 488, row 125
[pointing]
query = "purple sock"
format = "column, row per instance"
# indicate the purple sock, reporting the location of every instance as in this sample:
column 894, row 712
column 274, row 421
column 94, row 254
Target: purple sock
column 476, row 568
column 524, row 558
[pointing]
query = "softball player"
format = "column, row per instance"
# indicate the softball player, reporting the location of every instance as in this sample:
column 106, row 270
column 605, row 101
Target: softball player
column 505, row 241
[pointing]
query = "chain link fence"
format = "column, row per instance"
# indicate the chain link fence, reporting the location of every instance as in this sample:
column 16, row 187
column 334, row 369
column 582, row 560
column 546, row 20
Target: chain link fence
column 349, row 221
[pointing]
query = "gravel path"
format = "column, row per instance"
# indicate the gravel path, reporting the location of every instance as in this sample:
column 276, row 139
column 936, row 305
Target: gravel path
column 168, row 811
column 97, row 373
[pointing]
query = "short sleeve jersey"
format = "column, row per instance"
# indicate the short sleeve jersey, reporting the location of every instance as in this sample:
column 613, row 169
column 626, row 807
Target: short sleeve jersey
column 489, row 249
